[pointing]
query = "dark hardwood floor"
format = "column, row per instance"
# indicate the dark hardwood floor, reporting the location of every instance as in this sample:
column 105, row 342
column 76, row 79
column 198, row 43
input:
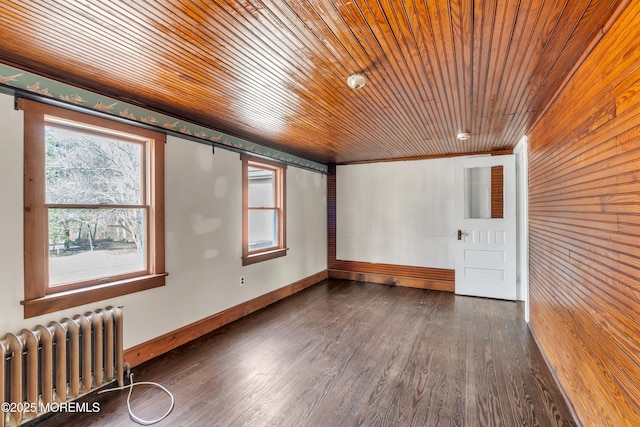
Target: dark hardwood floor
column 345, row 354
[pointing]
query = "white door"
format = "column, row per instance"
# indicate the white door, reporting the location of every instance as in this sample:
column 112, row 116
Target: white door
column 485, row 254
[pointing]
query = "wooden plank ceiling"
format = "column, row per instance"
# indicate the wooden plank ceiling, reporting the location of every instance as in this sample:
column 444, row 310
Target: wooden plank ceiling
column 274, row 72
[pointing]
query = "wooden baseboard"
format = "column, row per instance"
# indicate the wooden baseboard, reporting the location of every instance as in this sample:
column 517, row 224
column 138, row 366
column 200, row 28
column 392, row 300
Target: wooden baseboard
column 409, row 282
column 141, row 353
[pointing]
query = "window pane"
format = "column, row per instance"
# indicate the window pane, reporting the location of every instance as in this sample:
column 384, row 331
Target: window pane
column 86, row 244
column 263, row 229
column 261, row 188
column 87, row 169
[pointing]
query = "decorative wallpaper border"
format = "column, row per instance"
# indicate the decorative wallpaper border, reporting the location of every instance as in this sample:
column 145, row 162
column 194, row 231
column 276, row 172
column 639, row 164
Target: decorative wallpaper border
column 18, row 79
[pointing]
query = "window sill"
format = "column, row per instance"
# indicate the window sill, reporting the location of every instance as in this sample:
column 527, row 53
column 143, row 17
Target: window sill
column 264, row 256
column 76, row 297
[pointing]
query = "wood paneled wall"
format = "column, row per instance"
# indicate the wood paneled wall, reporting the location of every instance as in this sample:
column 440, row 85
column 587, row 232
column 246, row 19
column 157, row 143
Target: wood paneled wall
column 584, row 201
column 400, row 275
column 497, row 192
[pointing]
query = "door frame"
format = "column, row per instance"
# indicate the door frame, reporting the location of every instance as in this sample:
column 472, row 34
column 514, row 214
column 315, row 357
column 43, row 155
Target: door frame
column 522, row 222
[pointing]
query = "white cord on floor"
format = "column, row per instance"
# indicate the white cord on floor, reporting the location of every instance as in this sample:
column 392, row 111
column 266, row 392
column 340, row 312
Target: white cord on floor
column 130, row 387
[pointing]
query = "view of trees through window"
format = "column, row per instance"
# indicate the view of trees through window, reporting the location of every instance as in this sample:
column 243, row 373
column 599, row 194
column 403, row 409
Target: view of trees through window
column 95, row 196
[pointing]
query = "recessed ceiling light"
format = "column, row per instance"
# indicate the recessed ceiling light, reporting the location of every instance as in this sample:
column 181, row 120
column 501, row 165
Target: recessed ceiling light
column 463, row 136
column 356, row 81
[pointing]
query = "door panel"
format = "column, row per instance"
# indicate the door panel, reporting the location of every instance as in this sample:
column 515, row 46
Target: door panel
column 485, row 257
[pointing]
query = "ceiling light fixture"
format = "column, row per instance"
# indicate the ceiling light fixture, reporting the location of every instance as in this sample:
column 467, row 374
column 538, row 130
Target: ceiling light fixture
column 356, row 81
column 463, row 136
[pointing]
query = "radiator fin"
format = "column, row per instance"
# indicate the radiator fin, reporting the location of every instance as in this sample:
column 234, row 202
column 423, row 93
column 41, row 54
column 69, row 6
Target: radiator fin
column 60, row 362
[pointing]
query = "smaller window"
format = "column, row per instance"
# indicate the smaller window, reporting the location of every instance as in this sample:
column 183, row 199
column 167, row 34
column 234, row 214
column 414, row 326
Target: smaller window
column 263, row 210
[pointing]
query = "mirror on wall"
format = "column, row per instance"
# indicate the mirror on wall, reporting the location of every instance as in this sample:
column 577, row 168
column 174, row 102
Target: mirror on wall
column 484, row 194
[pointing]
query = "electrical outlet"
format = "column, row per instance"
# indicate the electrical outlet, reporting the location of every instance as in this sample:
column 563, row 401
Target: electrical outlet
column 241, row 280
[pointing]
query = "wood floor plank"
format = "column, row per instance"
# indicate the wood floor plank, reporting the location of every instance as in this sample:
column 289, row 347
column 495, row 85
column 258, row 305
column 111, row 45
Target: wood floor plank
column 351, row 354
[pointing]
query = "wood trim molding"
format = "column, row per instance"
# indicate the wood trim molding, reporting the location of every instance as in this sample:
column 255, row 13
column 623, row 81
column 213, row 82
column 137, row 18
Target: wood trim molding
column 426, row 273
column 141, row 353
column 495, row 152
column 395, row 280
column 75, row 297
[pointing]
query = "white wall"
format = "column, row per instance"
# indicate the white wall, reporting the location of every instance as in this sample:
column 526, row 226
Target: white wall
column 203, row 239
column 397, row 213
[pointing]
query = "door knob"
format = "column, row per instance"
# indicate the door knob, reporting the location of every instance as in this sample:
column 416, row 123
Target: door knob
column 459, row 234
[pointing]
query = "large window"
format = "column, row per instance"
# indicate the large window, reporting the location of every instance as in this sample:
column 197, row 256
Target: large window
column 263, row 210
column 94, row 208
